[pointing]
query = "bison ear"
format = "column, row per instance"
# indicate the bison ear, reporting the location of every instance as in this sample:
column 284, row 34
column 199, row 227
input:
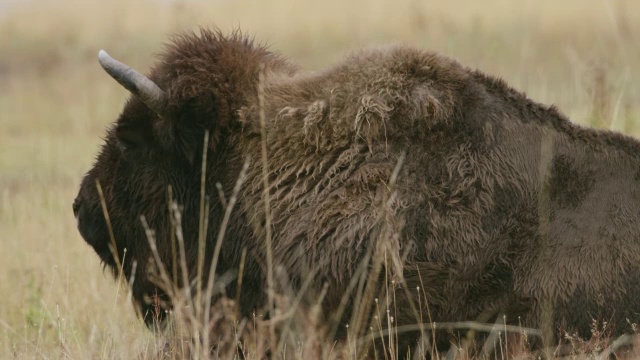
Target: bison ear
column 194, row 117
column 187, row 144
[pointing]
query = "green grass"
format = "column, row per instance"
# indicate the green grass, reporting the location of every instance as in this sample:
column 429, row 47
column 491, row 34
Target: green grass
column 55, row 102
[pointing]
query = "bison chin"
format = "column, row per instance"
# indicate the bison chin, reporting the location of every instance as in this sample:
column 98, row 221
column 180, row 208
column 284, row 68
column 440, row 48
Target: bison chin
column 151, row 302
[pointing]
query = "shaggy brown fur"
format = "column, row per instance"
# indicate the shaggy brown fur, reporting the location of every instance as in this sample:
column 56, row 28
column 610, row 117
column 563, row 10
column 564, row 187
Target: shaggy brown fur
column 501, row 205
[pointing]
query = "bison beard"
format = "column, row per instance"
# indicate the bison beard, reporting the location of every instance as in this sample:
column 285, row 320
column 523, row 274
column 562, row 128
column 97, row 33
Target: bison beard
column 397, row 167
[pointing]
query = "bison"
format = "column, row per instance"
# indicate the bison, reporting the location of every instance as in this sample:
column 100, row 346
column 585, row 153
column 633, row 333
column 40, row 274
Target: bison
column 396, row 174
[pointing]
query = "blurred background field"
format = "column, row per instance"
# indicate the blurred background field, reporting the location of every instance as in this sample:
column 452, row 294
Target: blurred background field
column 55, row 102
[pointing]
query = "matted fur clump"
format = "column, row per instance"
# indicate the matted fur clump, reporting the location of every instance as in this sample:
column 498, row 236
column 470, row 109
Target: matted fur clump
column 403, row 189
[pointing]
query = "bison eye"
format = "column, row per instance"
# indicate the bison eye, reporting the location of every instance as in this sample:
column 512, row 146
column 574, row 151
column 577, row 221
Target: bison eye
column 125, row 145
column 129, row 139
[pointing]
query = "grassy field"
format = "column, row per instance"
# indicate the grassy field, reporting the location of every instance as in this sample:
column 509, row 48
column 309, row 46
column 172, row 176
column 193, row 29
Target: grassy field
column 55, row 102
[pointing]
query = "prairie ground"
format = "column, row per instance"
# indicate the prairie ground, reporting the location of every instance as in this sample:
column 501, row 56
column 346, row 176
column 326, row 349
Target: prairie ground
column 55, row 102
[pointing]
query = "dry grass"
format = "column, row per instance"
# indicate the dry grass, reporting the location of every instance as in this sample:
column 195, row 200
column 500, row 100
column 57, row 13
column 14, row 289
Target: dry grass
column 583, row 55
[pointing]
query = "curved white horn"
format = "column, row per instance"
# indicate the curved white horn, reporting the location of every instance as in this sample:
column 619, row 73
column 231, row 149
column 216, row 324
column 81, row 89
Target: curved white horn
column 139, row 85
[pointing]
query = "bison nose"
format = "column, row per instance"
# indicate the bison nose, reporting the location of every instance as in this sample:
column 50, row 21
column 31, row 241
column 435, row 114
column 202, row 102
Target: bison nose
column 76, row 206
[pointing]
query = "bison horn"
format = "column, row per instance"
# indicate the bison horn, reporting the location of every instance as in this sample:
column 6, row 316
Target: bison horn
column 139, row 85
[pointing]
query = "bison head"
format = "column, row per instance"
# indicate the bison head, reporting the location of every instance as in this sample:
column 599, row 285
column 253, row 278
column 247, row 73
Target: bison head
column 198, row 87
